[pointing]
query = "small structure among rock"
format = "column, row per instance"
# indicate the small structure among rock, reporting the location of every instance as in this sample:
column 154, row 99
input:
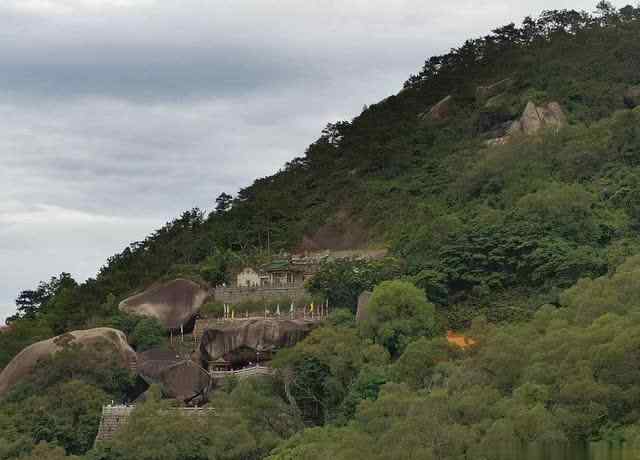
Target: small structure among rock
column 439, row 112
column 363, row 303
column 245, row 341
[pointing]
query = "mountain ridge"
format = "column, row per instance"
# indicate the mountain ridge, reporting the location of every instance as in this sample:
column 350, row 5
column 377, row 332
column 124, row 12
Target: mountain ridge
column 530, row 245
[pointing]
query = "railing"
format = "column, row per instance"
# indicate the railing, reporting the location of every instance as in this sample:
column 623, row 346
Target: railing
column 243, row 373
column 257, row 287
column 298, row 315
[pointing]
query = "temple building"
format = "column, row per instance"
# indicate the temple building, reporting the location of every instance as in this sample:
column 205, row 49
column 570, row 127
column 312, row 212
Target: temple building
column 278, row 273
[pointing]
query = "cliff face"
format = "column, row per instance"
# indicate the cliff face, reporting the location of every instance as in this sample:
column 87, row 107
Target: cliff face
column 112, row 340
column 173, row 303
column 256, row 334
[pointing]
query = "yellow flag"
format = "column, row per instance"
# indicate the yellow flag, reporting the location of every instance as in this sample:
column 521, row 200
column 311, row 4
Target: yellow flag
column 311, row 307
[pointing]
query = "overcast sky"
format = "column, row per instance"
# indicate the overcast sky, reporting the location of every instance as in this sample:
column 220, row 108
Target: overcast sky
column 116, row 115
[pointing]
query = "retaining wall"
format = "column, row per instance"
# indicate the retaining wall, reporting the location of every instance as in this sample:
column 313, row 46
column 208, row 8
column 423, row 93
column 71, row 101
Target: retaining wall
column 235, row 295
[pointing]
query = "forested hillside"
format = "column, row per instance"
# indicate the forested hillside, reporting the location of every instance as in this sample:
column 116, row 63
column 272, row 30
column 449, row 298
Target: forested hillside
column 526, row 244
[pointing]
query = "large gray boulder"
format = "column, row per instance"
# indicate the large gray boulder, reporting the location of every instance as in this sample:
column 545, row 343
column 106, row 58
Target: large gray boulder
column 173, row 303
column 255, row 334
column 111, row 341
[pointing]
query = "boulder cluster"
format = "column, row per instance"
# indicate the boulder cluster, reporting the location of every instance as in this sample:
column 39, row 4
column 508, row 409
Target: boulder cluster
column 501, row 124
column 184, row 378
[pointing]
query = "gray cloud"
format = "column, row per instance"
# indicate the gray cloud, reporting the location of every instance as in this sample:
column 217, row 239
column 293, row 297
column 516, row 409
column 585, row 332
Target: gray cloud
column 119, row 114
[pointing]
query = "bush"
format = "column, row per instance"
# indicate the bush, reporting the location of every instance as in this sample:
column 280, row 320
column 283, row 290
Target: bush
column 147, row 334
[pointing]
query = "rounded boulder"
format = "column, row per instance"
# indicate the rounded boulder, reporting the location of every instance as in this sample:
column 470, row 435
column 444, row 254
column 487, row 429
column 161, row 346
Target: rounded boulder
column 173, row 303
column 26, row 361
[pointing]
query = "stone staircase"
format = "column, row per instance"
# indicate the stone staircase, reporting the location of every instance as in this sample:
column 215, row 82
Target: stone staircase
column 113, row 418
column 133, row 364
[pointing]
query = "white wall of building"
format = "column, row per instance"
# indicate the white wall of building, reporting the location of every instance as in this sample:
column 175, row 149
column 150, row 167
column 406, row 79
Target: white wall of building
column 248, row 277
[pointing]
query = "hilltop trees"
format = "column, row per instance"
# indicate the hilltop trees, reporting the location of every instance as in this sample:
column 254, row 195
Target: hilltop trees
column 223, row 203
column 31, row 302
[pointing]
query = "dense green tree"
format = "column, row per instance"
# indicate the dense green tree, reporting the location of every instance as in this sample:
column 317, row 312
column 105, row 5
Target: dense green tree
column 397, row 314
column 223, row 202
column 148, row 333
column 155, row 431
column 417, row 364
column 343, row 281
column 319, row 371
column 45, row 451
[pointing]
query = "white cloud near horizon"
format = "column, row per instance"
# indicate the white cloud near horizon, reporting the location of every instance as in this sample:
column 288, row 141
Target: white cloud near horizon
column 120, row 114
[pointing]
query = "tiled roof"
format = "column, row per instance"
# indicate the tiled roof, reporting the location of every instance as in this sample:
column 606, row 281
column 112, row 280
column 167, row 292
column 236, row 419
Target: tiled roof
column 277, row 265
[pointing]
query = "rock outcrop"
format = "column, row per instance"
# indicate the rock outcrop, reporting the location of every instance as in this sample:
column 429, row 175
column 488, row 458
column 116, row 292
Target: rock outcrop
column 113, row 341
column 534, row 119
column 632, row 97
column 180, row 378
column 152, row 362
column 363, row 303
column 255, row 334
column 173, row 303
column 439, row 112
column 485, row 93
